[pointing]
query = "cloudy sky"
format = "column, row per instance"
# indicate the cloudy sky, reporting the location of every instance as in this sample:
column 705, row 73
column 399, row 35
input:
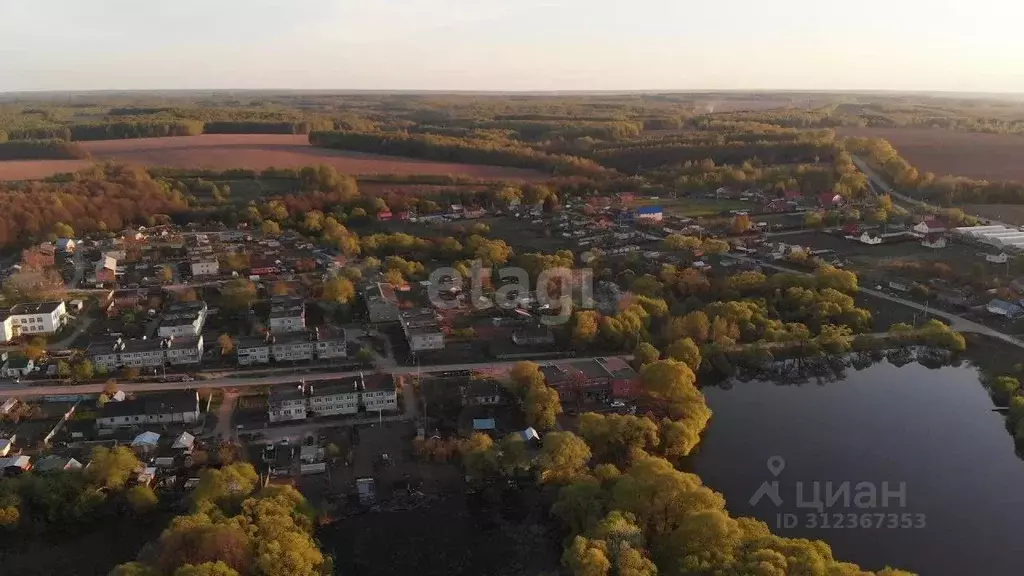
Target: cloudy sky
column 971, row 46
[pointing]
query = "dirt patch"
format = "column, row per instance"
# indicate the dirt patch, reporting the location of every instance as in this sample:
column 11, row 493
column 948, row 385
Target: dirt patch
column 982, row 156
column 254, row 151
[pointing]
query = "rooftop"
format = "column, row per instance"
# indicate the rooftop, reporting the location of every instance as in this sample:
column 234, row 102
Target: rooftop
column 158, row 403
column 36, row 307
column 285, row 392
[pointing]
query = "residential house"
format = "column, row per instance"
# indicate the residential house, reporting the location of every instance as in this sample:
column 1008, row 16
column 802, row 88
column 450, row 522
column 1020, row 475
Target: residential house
column 250, row 351
column 482, row 393
column 930, row 226
column 66, row 245
column 1000, row 258
column 533, row 336
column 830, row 200
column 291, row 347
column 7, row 443
column 17, row 367
column 331, row 344
column 205, row 267
column 384, row 215
column 599, row 377
column 20, row 463
column 263, row 267
column 651, row 213
column 123, row 300
column 287, row 314
column 934, row 241
column 363, row 393
column 422, row 330
column 37, row 317
column 870, row 239
column 106, row 270
column 6, row 326
column 1004, row 308
column 55, row 463
column 158, row 408
column 184, row 319
column 7, row 405
column 381, row 303
column 38, row 257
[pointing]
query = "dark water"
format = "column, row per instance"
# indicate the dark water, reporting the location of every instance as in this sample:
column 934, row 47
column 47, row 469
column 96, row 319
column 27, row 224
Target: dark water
column 933, row 430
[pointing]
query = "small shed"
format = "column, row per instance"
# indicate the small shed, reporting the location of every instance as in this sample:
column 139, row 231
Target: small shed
column 184, row 442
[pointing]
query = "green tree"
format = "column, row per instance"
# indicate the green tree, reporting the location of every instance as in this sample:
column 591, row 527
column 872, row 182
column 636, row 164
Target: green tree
column 1003, row 388
column 563, row 458
column 134, row 569
column 142, row 498
column 685, row 351
column 644, row 354
column 617, row 438
column 111, row 468
column 238, row 295
column 224, row 487
column 270, row 228
column 62, row 230
column 479, row 455
column 82, row 371
column 165, row 274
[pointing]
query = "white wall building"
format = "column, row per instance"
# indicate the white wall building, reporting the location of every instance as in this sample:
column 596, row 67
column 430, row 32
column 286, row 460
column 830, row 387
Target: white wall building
column 291, row 347
column 183, row 320
column 206, row 267
column 37, row 317
column 250, row 351
column 422, row 330
column 286, row 404
column 287, row 314
column 158, row 408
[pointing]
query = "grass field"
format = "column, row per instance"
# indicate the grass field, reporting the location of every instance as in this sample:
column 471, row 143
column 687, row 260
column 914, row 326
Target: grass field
column 694, row 207
column 254, row 151
column 982, row 156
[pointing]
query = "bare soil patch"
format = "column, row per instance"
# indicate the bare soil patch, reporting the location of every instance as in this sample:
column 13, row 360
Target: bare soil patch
column 982, row 156
column 253, row 151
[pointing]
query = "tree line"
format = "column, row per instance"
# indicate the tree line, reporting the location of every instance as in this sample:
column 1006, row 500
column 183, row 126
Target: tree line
column 42, row 150
column 449, row 149
column 97, row 199
column 636, row 157
column 942, row 190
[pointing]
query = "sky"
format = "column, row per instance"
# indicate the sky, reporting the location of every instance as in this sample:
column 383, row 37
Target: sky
column 963, row 46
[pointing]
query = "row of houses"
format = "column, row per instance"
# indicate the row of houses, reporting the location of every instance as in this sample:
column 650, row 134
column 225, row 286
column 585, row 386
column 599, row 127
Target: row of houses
column 145, row 353
column 292, row 347
column 363, row 393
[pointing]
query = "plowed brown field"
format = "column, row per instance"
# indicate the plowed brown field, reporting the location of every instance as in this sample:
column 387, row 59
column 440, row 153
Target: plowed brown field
column 982, row 156
column 254, row 151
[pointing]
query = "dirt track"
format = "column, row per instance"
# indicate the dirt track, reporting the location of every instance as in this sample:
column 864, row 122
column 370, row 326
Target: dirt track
column 982, row 156
column 255, row 151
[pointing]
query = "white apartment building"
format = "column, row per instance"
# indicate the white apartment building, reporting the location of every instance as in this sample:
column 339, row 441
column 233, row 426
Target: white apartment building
column 180, row 351
column 6, row 327
column 205, row 267
column 183, row 320
column 343, row 396
column 422, row 330
column 286, row 403
column 291, row 347
column 36, row 318
column 331, row 344
column 287, row 314
column 250, row 351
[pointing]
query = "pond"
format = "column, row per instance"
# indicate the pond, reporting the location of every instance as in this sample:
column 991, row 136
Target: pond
column 930, row 434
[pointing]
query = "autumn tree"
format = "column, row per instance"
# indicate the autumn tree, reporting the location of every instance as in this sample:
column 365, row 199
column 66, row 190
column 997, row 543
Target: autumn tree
column 141, row 498
column 525, row 376
column 685, row 351
column 585, row 328
column 339, row 291
column 238, row 295
column 226, row 344
column 644, row 354
column 563, row 458
column 542, row 407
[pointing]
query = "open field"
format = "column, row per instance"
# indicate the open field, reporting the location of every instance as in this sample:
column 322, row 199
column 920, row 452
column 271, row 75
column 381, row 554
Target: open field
column 694, row 207
column 982, row 156
column 254, row 151
column 1007, row 213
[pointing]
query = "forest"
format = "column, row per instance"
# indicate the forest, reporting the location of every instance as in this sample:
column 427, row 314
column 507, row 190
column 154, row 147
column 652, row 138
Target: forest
column 52, row 149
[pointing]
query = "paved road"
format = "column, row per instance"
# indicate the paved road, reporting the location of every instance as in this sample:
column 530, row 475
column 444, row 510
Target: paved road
column 24, row 390
column 958, row 323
